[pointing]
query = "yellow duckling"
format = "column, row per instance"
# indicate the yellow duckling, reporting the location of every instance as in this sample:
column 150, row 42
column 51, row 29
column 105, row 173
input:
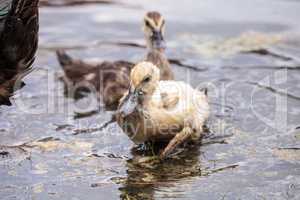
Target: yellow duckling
column 154, row 110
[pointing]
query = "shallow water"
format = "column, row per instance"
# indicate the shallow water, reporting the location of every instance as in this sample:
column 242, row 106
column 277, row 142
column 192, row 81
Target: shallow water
column 261, row 158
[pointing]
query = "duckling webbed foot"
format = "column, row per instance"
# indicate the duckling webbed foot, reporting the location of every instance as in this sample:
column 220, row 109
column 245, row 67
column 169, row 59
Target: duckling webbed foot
column 179, row 138
column 146, row 146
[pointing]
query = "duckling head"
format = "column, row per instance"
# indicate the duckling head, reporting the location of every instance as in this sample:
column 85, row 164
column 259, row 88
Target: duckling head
column 154, row 28
column 144, row 80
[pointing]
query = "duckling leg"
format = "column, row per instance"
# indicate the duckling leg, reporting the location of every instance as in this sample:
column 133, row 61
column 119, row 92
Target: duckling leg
column 179, row 138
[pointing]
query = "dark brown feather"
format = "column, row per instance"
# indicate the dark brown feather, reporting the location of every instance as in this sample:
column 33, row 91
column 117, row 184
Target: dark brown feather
column 18, row 43
column 155, row 16
column 110, row 79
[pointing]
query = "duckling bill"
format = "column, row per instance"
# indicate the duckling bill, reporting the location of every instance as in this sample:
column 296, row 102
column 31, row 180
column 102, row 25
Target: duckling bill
column 155, row 110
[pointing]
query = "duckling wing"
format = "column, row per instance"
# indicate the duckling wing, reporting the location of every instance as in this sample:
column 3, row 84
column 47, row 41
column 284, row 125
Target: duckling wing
column 170, row 105
column 176, row 97
column 167, row 95
column 169, row 101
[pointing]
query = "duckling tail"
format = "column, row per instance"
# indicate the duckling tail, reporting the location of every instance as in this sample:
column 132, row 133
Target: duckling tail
column 63, row 58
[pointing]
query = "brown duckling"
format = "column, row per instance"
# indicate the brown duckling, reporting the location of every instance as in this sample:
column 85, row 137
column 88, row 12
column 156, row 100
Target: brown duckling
column 155, row 110
column 111, row 79
column 19, row 27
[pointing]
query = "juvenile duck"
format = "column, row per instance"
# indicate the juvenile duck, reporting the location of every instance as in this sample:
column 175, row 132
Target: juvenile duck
column 154, row 110
column 154, row 30
column 18, row 43
column 111, row 79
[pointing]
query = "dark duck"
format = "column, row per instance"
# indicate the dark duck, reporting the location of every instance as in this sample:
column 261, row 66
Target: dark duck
column 111, row 79
column 19, row 27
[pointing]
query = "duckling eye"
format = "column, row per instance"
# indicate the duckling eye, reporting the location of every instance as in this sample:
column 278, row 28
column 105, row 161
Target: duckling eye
column 147, row 23
column 147, row 79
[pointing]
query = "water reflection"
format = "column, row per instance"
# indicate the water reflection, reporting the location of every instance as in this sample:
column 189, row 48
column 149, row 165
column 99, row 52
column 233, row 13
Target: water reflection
column 145, row 176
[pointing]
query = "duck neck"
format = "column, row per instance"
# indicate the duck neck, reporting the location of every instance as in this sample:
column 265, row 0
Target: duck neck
column 158, row 58
column 157, row 50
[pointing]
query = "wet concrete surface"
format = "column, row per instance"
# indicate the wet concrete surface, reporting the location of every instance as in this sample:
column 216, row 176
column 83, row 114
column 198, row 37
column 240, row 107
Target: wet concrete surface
column 246, row 53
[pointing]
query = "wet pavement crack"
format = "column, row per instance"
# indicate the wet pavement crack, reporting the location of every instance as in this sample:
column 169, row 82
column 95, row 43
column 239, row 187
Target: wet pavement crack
column 266, row 52
column 274, row 90
column 289, row 148
column 223, row 168
column 261, row 67
column 181, row 64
